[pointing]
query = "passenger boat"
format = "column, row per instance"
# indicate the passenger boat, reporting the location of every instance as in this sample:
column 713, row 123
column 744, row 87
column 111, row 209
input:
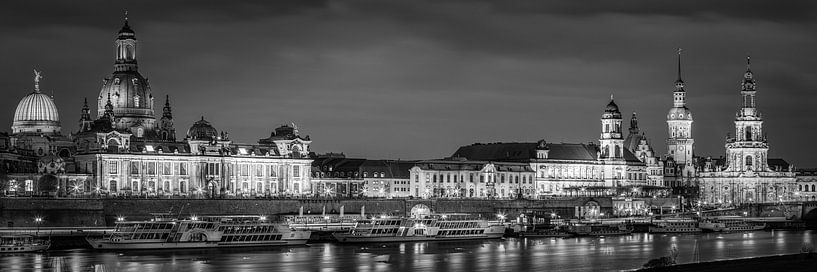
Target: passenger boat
column 729, row 224
column 16, row 243
column 597, row 229
column 436, row 227
column 674, row 226
column 200, row 232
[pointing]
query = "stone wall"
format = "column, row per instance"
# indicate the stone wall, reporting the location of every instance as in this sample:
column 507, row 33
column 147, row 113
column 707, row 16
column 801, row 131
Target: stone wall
column 104, row 212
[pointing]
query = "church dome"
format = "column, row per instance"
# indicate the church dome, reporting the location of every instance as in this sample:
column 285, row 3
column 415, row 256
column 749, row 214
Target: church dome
column 679, row 113
column 612, row 107
column 611, row 111
column 36, row 113
column 202, row 130
column 130, row 95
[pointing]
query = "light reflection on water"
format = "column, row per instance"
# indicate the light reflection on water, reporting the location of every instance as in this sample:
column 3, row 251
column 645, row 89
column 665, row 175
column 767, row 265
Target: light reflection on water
column 573, row 254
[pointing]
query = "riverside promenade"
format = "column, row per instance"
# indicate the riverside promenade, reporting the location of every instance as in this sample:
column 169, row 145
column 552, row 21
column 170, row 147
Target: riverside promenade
column 787, row 263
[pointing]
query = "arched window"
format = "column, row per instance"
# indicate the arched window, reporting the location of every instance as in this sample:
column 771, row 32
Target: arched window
column 112, row 186
column 749, row 162
column 812, row 187
column 618, row 152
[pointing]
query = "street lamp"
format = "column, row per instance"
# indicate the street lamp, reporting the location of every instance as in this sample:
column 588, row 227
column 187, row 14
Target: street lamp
column 38, row 220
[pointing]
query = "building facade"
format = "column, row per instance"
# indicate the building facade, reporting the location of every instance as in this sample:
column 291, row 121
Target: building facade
column 125, row 151
column 746, row 175
column 460, row 178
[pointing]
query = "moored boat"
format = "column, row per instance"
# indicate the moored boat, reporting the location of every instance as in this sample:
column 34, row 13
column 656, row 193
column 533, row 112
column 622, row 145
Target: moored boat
column 200, row 232
column 729, row 224
column 437, row 227
column 674, row 226
column 17, row 243
column 598, row 229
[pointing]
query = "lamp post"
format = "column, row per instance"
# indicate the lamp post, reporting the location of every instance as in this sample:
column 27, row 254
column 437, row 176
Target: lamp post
column 38, row 220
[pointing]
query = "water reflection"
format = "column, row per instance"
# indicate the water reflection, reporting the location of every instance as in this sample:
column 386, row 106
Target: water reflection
column 572, row 254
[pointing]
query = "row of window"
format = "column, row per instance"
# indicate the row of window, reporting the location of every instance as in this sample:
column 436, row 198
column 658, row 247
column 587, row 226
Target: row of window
column 210, row 169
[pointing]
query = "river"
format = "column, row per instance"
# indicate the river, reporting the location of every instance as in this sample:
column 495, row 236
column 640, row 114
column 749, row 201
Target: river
column 512, row 254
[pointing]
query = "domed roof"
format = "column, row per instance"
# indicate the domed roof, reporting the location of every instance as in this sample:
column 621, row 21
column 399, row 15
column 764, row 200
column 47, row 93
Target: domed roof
column 202, row 130
column 612, row 107
column 36, row 112
column 679, row 113
column 611, row 111
column 130, row 95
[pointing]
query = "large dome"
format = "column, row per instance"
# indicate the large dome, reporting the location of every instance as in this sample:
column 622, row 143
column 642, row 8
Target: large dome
column 130, row 95
column 37, row 113
column 202, row 130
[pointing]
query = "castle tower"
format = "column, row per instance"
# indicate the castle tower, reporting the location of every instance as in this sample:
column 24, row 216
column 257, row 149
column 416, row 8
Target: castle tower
column 748, row 149
column 679, row 123
column 611, row 140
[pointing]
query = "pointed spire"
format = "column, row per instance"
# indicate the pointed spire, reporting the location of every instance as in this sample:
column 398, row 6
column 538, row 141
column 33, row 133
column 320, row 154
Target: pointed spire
column 167, row 113
column 679, row 83
column 749, row 83
column 748, row 63
column 37, row 77
column 126, row 27
column 109, row 106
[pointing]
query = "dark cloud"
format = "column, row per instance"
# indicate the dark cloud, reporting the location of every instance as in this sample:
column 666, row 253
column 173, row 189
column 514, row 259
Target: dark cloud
column 416, row 79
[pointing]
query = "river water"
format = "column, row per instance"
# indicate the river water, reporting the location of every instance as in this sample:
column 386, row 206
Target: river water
column 539, row 254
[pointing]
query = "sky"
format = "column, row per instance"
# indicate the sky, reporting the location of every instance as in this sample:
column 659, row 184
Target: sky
column 416, row 79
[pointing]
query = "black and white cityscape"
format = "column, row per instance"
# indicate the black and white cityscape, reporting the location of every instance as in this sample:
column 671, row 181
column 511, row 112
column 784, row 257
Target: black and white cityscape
column 363, row 135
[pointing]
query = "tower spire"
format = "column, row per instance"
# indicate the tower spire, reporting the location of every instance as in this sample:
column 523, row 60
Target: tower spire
column 167, row 110
column 679, row 83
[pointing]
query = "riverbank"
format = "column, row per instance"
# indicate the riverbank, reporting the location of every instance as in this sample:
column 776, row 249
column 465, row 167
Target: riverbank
column 791, row 262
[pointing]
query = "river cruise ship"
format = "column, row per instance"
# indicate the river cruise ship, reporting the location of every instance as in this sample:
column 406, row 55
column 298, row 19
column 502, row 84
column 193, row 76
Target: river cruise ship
column 436, row 227
column 674, row 226
column 16, row 243
column 598, row 229
column 729, row 224
column 200, row 232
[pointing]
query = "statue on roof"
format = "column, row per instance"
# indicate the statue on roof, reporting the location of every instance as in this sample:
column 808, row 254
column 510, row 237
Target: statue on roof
column 37, row 76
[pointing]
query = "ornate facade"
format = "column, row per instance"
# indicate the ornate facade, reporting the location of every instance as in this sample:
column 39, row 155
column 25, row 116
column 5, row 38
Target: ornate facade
column 125, row 151
column 746, row 175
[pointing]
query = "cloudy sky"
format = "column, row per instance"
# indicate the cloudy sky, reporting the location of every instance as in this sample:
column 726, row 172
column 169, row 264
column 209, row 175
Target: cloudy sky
column 416, row 79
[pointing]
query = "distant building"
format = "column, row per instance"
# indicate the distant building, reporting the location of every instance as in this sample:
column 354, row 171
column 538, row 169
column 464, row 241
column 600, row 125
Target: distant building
column 806, row 185
column 565, row 169
column 460, row 178
column 334, row 175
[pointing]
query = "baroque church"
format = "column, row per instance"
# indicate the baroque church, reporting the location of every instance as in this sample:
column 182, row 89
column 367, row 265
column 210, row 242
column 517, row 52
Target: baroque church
column 124, row 150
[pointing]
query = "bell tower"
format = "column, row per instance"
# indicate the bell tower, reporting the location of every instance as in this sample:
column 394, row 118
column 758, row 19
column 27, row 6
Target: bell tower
column 611, row 140
column 747, row 151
